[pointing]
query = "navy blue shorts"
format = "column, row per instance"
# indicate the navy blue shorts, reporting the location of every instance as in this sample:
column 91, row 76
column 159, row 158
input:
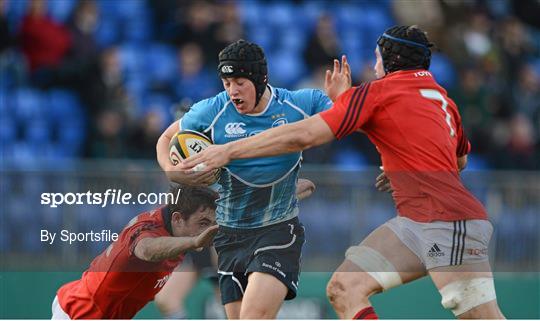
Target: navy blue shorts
column 274, row 249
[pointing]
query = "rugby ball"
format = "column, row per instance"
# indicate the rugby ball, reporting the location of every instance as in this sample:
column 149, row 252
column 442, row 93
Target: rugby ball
column 187, row 143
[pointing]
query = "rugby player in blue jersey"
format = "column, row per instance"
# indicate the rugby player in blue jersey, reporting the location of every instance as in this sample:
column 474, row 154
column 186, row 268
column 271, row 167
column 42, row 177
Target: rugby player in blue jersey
column 260, row 237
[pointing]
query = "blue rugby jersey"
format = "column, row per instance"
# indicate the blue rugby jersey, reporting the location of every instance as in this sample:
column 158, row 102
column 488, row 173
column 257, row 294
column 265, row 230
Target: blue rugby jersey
column 255, row 192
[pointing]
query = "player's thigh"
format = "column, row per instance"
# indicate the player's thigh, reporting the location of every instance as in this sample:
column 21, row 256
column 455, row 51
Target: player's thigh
column 176, row 289
column 381, row 261
column 468, row 290
column 393, row 248
column 263, row 297
column 232, row 310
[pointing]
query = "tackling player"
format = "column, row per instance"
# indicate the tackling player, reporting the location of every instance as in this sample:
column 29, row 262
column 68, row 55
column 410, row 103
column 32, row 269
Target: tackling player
column 441, row 229
column 260, row 237
column 170, row 300
column 129, row 273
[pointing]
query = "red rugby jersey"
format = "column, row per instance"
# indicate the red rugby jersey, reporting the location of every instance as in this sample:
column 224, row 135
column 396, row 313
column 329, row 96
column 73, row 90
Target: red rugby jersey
column 417, row 130
column 118, row 284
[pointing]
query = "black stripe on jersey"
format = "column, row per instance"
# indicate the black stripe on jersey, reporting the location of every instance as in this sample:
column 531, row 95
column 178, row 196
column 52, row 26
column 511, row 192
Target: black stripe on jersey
column 453, row 245
column 463, row 243
column 462, row 147
column 346, row 119
column 357, row 111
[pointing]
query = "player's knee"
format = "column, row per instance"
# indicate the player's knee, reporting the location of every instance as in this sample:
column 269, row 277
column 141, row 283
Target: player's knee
column 256, row 312
column 466, row 297
column 344, row 285
column 381, row 271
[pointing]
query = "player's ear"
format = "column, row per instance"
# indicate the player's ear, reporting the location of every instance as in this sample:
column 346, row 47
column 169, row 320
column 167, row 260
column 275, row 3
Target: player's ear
column 178, row 219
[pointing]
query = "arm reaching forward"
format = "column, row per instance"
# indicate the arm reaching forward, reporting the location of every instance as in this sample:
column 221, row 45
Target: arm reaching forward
column 155, row 249
column 279, row 140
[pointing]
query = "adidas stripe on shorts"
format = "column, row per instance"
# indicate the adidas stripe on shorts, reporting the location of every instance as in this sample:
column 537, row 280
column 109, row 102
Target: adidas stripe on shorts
column 440, row 243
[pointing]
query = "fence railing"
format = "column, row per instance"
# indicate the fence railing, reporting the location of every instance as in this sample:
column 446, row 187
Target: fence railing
column 345, row 208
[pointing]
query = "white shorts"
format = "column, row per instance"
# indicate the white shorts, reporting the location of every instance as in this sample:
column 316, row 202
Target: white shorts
column 441, row 243
column 57, row 312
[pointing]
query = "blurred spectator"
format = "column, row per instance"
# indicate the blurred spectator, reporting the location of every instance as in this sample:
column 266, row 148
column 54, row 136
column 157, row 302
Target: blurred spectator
column 44, row 42
column 519, row 152
column 108, row 137
column 82, row 25
column 472, row 98
column 229, row 27
column 194, row 80
column 515, row 46
column 142, row 141
column 6, row 37
column 323, row 46
column 426, row 13
column 199, row 25
column 106, row 90
column 526, row 93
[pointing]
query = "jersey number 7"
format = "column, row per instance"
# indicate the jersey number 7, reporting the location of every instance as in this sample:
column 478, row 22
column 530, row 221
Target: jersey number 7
column 435, row 95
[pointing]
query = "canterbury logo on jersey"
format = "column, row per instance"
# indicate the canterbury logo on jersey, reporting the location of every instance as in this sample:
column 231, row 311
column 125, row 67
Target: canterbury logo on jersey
column 235, row 129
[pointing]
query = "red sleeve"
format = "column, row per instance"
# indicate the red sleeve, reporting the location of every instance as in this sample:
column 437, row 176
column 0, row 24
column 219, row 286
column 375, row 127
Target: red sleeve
column 463, row 144
column 142, row 231
column 350, row 112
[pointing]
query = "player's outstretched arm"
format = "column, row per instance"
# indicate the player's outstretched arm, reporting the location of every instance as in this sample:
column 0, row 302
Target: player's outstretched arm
column 276, row 141
column 156, row 249
column 304, row 188
column 174, row 173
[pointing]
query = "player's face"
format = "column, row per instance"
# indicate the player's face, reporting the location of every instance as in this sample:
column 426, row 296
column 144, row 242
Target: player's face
column 196, row 223
column 242, row 93
column 379, row 69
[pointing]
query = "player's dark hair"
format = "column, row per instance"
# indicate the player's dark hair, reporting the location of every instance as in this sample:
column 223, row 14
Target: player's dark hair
column 245, row 59
column 405, row 48
column 190, row 199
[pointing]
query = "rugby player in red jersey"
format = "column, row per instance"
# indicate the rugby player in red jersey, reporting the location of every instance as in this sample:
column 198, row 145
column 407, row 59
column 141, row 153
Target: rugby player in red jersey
column 132, row 270
column 441, row 228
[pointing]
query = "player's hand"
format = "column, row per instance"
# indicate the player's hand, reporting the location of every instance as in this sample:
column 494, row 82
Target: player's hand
column 339, row 80
column 205, row 238
column 304, row 188
column 213, row 157
column 382, row 183
column 177, row 174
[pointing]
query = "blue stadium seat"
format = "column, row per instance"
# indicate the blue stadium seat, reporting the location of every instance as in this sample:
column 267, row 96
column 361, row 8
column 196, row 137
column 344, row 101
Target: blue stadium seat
column 136, row 29
column 443, row 70
column 8, row 130
column 476, row 162
column 15, row 12
column 64, row 103
column 107, row 32
column 263, row 36
column 350, row 159
column 23, row 154
column 71, row 135
column 132, row 58
column 286, row 68
column 161, row 63
column 60, row 10
column 131, row 8
column 280, row 15
column 28, row 104
column 161, row 104
column 250, row 13
column 294, row 40
column 38, row 131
